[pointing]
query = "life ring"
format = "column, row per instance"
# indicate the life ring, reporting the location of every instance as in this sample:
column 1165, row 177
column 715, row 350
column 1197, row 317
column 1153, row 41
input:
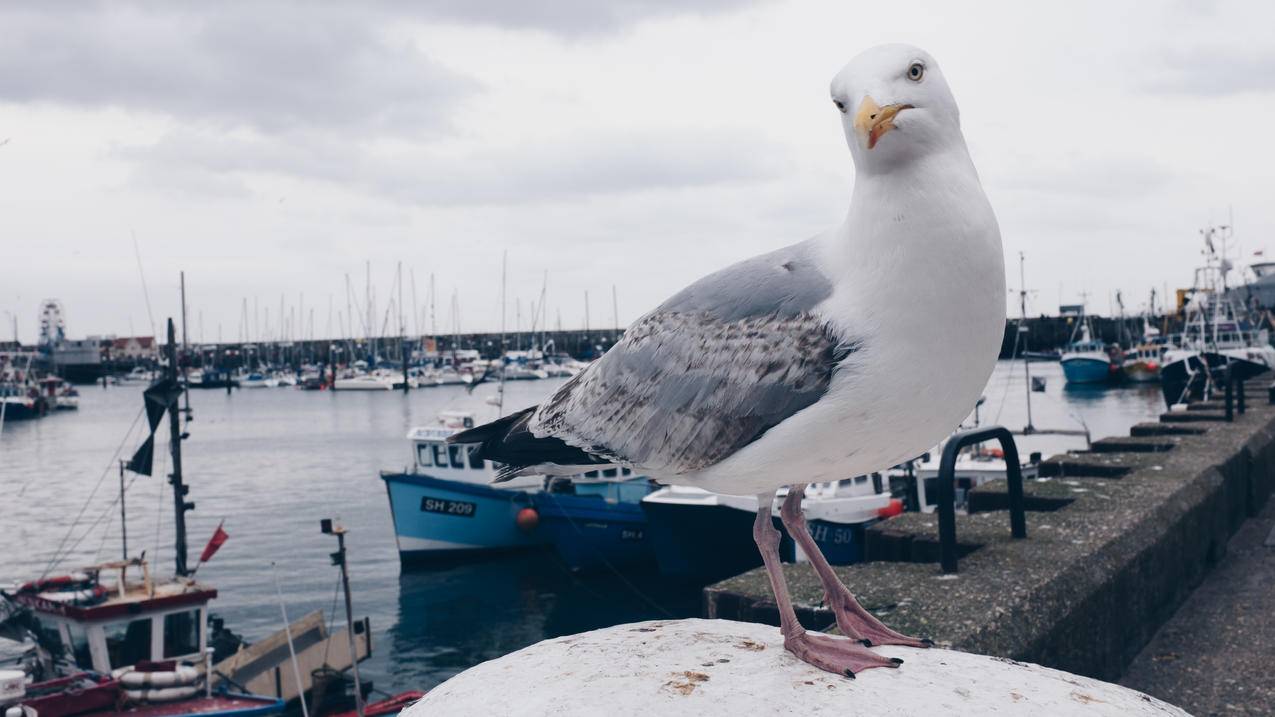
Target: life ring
column 162, row 694
column 180, row 676
column 89, row 596
column 56, row 583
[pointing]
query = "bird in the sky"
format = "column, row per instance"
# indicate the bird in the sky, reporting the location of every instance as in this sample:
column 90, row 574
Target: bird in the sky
column 841, row 355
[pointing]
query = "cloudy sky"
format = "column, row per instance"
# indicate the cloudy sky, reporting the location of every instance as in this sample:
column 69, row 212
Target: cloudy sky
column 273, row 148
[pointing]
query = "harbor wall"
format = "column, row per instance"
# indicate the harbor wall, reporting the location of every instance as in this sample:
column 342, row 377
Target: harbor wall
column 1142, row 520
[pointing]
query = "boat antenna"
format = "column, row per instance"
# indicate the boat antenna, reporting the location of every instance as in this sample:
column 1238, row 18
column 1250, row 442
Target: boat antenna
column 1022, row 327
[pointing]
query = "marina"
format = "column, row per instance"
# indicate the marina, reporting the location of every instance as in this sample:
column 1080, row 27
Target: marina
column 314, row 454
column 638, row 358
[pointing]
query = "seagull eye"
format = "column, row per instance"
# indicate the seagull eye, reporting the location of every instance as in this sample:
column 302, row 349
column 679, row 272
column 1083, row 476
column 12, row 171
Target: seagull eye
column 916, row 71
column 840, row 105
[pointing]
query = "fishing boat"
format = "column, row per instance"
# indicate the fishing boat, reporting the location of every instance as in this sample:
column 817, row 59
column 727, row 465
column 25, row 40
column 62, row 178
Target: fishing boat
column 1220, row 340
column 1142, row 362
column 113, row 639
column 444, row 507
column 598, row 521
column 149, row 636
column 1086, row 360
column 702, row 536
column 59, row 394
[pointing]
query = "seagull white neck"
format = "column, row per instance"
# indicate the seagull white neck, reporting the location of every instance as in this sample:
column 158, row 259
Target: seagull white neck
column 923, row 236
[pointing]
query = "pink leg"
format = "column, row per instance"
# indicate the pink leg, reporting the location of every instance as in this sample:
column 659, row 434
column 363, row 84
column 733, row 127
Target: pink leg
column 853, row 621
column 833, row 654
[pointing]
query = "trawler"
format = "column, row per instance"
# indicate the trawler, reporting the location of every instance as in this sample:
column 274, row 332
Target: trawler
column 1220, row 340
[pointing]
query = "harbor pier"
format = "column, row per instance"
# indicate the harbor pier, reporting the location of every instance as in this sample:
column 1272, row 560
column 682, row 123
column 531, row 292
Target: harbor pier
column 1118, row 539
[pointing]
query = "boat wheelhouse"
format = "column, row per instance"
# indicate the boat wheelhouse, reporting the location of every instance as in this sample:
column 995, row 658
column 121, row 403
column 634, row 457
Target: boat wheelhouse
column 104, row 627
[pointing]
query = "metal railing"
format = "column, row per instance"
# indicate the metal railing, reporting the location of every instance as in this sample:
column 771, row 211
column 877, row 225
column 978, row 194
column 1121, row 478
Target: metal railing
column 947, row 488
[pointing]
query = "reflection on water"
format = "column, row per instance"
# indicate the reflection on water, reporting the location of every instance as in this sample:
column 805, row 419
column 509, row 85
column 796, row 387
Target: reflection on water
column 451, row 619
column 272, row 462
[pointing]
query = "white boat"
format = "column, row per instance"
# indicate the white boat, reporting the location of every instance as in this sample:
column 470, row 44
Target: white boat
column 257, row 380
column 374, row 381
column 138, row 375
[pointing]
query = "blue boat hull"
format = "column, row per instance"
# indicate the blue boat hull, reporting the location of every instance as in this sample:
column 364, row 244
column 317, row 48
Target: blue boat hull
column 1086, row 370
column 590, row 533
column 439, row 521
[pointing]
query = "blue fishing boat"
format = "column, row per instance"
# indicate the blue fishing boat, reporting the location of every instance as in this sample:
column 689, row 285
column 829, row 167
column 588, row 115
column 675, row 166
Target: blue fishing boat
column 1085, row 359
column 444, row 507
column 594, row 524
column 446, row 510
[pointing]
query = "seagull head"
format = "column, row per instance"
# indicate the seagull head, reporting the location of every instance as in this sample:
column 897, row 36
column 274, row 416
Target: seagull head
column 895, row 107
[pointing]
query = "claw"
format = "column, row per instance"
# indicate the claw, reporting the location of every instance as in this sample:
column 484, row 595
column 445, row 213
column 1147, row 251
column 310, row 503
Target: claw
column 850, row 674
column 927, row 642
column 896, row 660
column 866, row 642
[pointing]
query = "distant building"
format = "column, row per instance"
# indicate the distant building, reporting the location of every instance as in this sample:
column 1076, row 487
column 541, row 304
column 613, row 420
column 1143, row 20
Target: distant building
column 134, row 347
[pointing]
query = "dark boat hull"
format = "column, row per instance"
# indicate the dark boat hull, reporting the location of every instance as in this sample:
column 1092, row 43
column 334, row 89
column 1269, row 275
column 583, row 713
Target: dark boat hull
column 1185, row 379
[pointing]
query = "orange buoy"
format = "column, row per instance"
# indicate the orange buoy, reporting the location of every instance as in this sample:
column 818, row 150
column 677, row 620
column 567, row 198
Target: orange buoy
column 527, row 519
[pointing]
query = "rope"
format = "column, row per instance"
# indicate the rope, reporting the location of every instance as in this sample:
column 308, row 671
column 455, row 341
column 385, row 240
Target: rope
column 58, row 555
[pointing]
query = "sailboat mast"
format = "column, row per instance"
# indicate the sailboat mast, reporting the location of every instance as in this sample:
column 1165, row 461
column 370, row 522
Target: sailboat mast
column 1022, row 324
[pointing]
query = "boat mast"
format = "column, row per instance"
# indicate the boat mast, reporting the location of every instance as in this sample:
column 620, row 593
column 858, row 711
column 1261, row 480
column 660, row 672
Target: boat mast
column 1023, row 322
column 180, row 506
column 123, row 513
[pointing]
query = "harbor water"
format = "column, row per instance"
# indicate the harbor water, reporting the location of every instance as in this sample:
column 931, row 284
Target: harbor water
column 273, row 462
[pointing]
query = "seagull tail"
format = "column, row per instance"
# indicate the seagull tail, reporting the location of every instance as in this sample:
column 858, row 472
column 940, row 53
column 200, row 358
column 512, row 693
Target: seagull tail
column 509, row 442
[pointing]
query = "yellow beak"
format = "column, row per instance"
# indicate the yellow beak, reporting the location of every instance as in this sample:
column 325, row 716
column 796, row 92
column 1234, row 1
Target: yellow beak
column 874, row 121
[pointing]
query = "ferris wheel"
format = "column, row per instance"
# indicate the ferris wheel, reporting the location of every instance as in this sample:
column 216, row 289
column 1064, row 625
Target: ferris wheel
column 52, row 323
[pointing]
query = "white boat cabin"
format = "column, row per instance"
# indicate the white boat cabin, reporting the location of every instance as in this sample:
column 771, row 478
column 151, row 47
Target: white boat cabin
column 104, row 627
column 432, row 456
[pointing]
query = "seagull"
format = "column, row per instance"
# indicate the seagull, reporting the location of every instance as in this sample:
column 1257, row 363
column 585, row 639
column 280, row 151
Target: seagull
column 841, row 355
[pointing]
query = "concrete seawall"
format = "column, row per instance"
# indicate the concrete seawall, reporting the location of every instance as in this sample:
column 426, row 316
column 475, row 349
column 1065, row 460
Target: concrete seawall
column 1117, row 540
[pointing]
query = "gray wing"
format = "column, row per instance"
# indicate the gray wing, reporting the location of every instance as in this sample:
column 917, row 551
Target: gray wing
column 706, row 373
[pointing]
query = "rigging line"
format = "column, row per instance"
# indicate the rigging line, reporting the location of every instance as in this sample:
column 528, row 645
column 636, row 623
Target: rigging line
column 89, row 500
column 137, row 252
column 108, row 511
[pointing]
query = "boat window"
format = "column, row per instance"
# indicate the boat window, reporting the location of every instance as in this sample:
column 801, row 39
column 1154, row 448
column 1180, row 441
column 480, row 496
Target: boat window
column 626, row 472
column 80, row 645
column 609, row 473
column 127, row 643
column 591, row 474
column 474, row 461
column 181, row 633
column 422, row 455
column 440, row 455
column 457, row 460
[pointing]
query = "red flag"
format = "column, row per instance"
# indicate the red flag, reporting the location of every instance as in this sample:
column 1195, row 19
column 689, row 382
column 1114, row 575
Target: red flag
column 218, row 537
